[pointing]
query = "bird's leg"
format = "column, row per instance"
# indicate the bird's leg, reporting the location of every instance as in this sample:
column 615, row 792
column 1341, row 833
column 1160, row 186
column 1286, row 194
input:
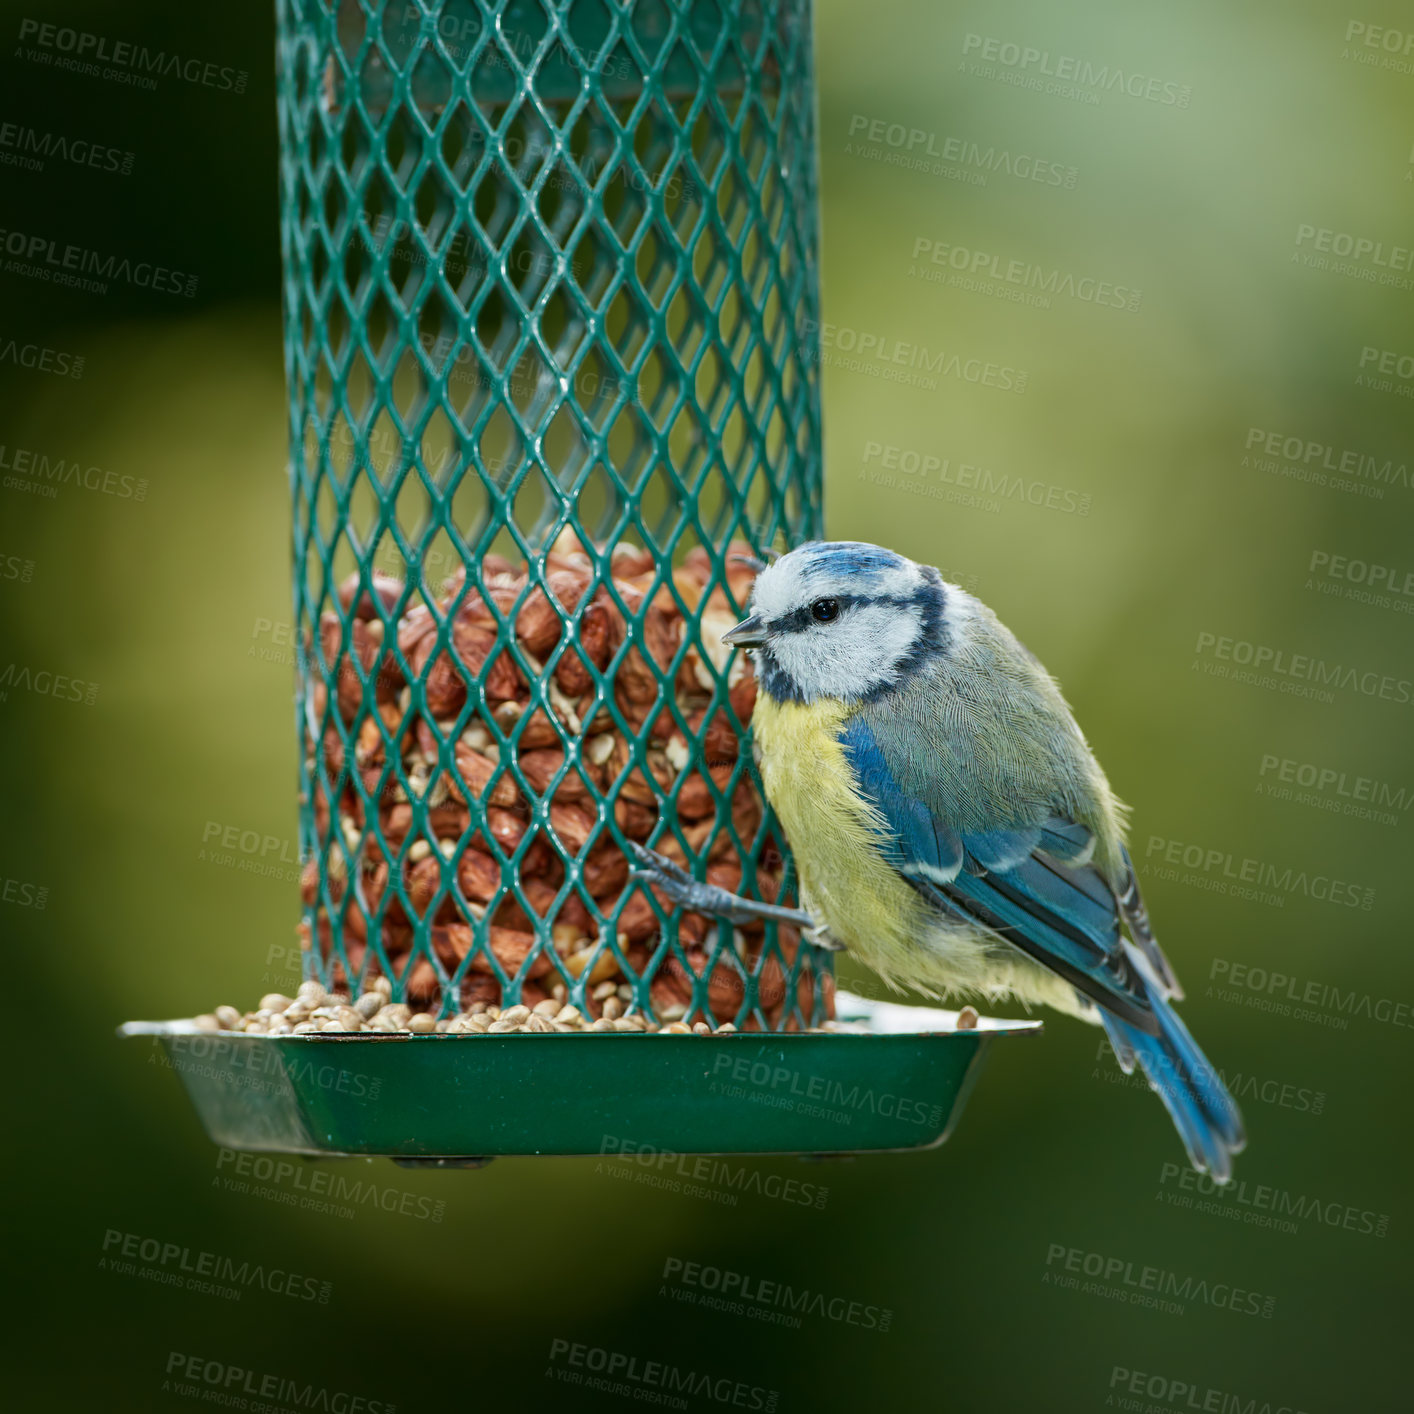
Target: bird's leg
column 682, row 888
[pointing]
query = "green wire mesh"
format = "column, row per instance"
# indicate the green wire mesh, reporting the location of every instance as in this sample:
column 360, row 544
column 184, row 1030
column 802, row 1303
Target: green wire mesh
column 547, row 272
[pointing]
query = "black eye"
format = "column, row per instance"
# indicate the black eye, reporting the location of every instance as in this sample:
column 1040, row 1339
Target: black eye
column 825, row 611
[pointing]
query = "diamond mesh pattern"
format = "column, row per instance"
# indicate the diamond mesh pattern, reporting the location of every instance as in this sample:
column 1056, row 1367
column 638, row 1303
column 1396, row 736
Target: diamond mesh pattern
column 545, row 269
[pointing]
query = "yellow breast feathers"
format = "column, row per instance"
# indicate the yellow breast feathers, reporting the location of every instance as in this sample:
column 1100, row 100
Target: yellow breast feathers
column 833, row 833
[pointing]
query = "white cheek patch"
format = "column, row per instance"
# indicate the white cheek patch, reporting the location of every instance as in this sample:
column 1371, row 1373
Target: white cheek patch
column 859, row 652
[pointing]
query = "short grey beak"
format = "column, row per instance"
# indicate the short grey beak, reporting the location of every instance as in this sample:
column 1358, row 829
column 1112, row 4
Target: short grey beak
column 749, row 633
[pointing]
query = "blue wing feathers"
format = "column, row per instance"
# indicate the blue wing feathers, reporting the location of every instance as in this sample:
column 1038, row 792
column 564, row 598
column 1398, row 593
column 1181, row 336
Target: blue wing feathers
column 1044, row 912
column 1070, row 898
column 919, row 843
column 1001, row 849
column 1066, row 840
column 1035, row 888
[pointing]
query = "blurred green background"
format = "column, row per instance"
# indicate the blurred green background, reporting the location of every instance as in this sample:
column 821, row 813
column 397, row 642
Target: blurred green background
column 173, row 604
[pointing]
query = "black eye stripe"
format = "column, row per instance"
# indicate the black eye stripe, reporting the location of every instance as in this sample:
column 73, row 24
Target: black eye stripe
column 798, row 620
column 930, row 640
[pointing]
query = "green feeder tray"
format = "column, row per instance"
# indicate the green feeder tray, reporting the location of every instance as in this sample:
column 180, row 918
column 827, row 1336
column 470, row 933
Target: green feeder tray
column 439, row 1100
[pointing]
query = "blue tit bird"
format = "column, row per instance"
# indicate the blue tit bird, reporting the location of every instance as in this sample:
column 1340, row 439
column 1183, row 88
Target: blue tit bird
column 950, row 825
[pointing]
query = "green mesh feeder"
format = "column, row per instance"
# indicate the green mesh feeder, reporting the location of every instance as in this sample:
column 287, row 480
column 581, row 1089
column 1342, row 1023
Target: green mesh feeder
column 550, row 272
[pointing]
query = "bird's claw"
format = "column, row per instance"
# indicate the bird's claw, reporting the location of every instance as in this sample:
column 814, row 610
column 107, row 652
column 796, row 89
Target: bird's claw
column 659, row 869
column 819, row 936
column 673, row 880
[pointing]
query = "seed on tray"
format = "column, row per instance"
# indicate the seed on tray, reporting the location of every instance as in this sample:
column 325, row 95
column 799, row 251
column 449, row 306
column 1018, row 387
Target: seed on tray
column 374, row 1014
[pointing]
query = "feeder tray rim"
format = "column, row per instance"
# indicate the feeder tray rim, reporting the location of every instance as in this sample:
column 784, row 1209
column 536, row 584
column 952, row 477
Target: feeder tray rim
column 752, row 1092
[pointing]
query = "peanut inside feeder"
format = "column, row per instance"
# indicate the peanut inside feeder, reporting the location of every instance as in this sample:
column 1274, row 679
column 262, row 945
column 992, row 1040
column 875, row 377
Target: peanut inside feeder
column 472, row 851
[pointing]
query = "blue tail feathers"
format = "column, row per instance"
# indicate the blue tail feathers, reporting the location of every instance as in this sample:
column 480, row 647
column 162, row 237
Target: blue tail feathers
column 1205, row 1114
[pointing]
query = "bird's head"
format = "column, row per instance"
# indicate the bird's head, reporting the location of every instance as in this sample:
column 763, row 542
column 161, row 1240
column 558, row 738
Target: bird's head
column 842, row 620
